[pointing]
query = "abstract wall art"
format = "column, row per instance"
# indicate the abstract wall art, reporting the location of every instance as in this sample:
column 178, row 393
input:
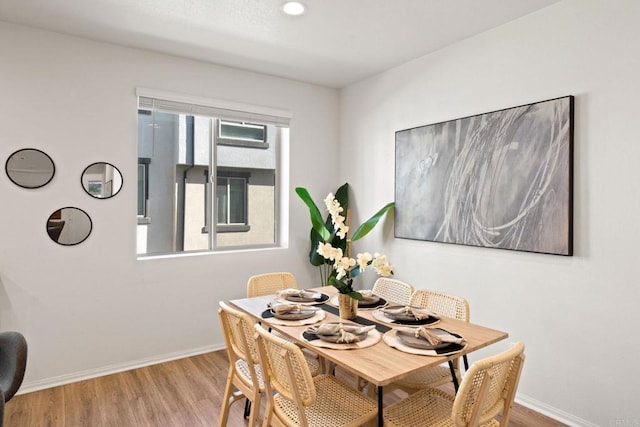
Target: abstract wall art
column 502, row 179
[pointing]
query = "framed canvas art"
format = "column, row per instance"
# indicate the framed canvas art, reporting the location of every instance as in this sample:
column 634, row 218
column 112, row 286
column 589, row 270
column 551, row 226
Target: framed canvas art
column 502, row 179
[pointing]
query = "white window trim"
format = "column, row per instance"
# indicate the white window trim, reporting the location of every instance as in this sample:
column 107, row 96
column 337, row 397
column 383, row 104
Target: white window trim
column 232, row 110
column 267, row 115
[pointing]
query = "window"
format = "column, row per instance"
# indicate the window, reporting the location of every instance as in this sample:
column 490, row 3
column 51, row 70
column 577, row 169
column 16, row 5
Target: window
column 243, row 133
column 211, row 165
column 143, row 179
column 231, row 201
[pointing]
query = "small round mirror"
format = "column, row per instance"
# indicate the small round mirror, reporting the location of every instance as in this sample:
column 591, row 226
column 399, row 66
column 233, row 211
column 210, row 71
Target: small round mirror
column 69, row 226
column 30, row 168
column 101, row 180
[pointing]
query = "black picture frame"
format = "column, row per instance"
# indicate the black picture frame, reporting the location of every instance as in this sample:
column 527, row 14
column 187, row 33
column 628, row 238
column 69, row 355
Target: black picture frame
column 502, row 179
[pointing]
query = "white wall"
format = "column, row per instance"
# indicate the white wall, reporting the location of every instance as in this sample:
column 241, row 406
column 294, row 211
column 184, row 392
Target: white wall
column 94, row 307
column 578, row 316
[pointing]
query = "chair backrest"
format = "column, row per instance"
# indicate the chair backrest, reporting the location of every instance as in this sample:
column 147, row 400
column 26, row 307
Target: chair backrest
column 239, row 334
column 269, row 283
column 489, row 387
column 441, row 303
column 13, row 363
column 394, row 291
column 286, row 369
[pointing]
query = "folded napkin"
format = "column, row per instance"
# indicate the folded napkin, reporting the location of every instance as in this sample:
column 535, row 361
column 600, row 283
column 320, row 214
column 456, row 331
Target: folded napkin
column 287, row 308
column 418, row 313
column 299, row 293
column 291, row 292
column 434, row 336
column 345, row 333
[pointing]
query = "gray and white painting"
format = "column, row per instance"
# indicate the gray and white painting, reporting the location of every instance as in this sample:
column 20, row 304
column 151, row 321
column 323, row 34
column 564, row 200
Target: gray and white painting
column 499, row 179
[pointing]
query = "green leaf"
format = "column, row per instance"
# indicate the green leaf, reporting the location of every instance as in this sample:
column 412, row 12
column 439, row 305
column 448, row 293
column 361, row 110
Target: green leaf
column 342, row 196
column 342, row 287
column 355, row 295
column 314, row 257
column 317, row 222
column 368, row 225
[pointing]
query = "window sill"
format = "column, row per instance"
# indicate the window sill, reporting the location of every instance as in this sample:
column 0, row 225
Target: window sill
column 144, row 220
column 234, row 228
column 243, row 143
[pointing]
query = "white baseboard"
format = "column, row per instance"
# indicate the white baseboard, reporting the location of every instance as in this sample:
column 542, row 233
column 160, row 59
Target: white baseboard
column 31, row 386
column 551, row 412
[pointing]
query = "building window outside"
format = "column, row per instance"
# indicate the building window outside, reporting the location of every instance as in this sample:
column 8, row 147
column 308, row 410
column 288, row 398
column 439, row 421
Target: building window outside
column 242, row 133
column 197, row 170
column 231, row 197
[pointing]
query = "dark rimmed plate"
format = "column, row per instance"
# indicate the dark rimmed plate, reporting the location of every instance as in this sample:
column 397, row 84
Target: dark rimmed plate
column 306, row 297
column 301, row 315
column 408, row 318
column 334, row 337
column 409, row 339
column 371, row 301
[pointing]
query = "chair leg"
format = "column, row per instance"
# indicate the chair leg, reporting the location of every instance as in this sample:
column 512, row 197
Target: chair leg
column 226, row 402
column 254, row 413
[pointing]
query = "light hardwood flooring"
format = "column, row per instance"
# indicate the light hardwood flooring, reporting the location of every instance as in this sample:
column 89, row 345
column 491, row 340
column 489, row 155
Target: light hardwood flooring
column 181, row 393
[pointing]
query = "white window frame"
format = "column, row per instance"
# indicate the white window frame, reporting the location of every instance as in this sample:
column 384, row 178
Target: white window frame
column 231, row 111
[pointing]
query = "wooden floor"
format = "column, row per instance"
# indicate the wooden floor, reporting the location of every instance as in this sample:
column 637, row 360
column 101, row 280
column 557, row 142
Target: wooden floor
column 182, row 393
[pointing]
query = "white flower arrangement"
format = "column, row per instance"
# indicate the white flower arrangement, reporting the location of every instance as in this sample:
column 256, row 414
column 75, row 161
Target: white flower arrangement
column 347, row 268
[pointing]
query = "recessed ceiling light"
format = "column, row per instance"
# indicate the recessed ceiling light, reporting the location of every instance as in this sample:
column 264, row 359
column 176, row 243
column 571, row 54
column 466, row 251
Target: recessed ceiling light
column 293, row 8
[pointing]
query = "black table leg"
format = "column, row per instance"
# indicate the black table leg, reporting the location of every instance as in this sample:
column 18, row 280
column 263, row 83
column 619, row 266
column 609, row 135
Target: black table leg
column 380, row 419
column 454, row 378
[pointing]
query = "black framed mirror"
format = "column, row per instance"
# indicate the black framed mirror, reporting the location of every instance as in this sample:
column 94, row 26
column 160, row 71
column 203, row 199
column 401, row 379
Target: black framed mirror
column 69, row 226
column 101, row 180
column 30, row 168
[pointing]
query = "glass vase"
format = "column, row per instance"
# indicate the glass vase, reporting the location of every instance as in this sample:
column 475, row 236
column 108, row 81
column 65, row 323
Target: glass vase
column 348, row 307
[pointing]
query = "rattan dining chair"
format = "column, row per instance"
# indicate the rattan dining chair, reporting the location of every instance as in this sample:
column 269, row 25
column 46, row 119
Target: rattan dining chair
column 245, row 374
column 445, row 305
column 295, row 398
column 488, row 389
column 394, row 291
column 270, row 283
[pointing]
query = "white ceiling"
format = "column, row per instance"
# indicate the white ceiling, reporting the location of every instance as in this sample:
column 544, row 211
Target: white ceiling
column 337, row 42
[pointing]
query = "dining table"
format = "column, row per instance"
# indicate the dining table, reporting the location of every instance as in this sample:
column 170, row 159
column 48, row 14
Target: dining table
column 379, row 364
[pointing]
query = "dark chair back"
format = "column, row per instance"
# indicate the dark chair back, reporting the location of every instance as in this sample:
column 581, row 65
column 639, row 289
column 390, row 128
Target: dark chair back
column 13, row 364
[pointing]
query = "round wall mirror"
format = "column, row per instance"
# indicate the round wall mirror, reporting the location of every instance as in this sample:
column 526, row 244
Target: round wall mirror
column 30, row 168
column 101, row 180
column 69, row 226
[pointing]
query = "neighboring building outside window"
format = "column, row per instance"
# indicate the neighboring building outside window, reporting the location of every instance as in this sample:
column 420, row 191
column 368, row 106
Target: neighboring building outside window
column 174, row 196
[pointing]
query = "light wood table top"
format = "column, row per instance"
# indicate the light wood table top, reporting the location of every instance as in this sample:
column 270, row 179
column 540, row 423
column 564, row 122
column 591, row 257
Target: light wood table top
column 379, row 364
